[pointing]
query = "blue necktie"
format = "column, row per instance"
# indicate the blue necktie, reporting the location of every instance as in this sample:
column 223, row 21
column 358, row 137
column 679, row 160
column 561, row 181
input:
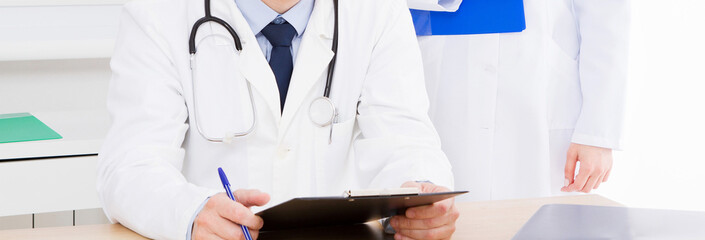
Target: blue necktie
column 280, row 60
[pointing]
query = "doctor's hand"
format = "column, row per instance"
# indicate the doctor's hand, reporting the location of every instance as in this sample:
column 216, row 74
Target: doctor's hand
column 595, row 167
column 221, row 217
column 436, row 221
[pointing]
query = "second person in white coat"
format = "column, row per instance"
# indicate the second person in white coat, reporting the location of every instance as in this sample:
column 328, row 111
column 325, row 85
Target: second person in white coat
column 517, row 111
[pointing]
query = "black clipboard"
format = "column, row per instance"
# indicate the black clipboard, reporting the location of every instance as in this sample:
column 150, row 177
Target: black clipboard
column 329, row 211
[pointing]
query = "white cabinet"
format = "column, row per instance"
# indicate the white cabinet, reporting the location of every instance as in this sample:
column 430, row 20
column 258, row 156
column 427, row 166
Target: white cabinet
column 54, row 63
column 53, row 175
column 48, row 185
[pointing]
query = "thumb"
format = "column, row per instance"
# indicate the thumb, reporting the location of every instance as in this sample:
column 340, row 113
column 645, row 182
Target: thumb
column 570, row 163
column 251, row 197
column 425, row 187
column 410, row 184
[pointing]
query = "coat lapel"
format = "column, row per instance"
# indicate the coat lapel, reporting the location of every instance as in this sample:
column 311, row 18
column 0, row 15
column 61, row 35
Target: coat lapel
column 311, row 64
column 253, row 64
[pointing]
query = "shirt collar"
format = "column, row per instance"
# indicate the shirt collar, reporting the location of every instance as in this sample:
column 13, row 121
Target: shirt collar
column 259, row 15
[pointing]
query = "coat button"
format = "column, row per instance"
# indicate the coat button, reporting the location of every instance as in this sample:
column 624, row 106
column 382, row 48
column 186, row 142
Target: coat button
column 490, row 69
column 283, row 152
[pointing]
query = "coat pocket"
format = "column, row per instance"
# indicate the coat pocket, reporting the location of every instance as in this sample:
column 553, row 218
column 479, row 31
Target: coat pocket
column 334, row 157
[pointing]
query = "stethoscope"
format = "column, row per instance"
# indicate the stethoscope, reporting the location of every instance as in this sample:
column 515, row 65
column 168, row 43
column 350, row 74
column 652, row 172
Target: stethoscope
column 322, row 111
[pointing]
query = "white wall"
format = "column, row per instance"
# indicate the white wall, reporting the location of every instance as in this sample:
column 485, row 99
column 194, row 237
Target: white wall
column 663, row 163
column 53, row 85
column 54, row 54
column 77, row 29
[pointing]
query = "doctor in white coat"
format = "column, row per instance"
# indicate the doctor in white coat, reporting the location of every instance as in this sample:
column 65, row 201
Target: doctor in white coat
column 156, row 171
column 516, row 111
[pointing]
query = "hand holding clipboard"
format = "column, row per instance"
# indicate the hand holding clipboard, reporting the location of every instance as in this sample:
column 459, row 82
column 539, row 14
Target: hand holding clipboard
column 327, row 211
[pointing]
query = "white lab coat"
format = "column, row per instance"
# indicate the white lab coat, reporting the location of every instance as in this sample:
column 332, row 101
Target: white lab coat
column 508, row 105
column 155, row 169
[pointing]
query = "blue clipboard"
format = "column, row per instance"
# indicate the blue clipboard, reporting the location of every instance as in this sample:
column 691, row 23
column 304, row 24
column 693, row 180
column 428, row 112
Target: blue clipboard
column 473, row 17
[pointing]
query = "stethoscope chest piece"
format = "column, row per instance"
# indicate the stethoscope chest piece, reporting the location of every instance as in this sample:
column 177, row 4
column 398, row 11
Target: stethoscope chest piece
column 322, row 111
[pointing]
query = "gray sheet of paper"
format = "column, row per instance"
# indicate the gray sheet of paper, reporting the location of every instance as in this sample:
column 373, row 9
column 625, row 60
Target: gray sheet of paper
column 563, row 221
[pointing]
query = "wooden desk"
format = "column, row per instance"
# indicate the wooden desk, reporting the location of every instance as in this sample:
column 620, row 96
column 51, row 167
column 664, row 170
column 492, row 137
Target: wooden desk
column 503, row 219
column 478, row 220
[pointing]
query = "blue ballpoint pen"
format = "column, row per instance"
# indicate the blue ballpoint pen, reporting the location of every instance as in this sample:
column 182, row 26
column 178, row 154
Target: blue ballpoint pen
column 226, row 185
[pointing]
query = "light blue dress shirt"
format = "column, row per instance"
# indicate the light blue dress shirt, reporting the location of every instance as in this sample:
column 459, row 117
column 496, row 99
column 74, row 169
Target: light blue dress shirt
column 258, row 16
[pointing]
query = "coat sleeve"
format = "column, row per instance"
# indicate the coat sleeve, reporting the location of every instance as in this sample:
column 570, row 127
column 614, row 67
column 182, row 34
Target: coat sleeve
column 140, row 183
column 604, row 39
column 398, row 142
column 435, row 5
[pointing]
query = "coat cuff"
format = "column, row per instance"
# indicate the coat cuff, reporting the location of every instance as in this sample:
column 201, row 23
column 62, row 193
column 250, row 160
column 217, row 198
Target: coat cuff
column 195, row 210
column 189, row 232
column 596, row 141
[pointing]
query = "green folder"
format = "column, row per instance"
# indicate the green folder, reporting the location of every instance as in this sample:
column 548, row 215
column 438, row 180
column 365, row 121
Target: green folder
column 23, row 127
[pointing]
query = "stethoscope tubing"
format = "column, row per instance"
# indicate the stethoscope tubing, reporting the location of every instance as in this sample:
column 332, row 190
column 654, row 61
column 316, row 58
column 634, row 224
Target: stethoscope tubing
column 238, row 46
column 331, row 65
column 209, row 18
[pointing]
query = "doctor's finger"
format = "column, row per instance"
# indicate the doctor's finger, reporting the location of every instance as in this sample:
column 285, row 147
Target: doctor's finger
column 581, row 179
column 229, row 230
column 216, row 227
column 599, row 180
column 203, row 234
column 208, row 236
column 235, row 233
column 570, row 162
column 425, row 187
column 589, row 184
column 411, row 184
column 251, row 197
column 442, row 232
column 254, row 234
column 239, row 214
column 430, row 187
column 401, row 222
column 607, row 175
column 430, row 211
